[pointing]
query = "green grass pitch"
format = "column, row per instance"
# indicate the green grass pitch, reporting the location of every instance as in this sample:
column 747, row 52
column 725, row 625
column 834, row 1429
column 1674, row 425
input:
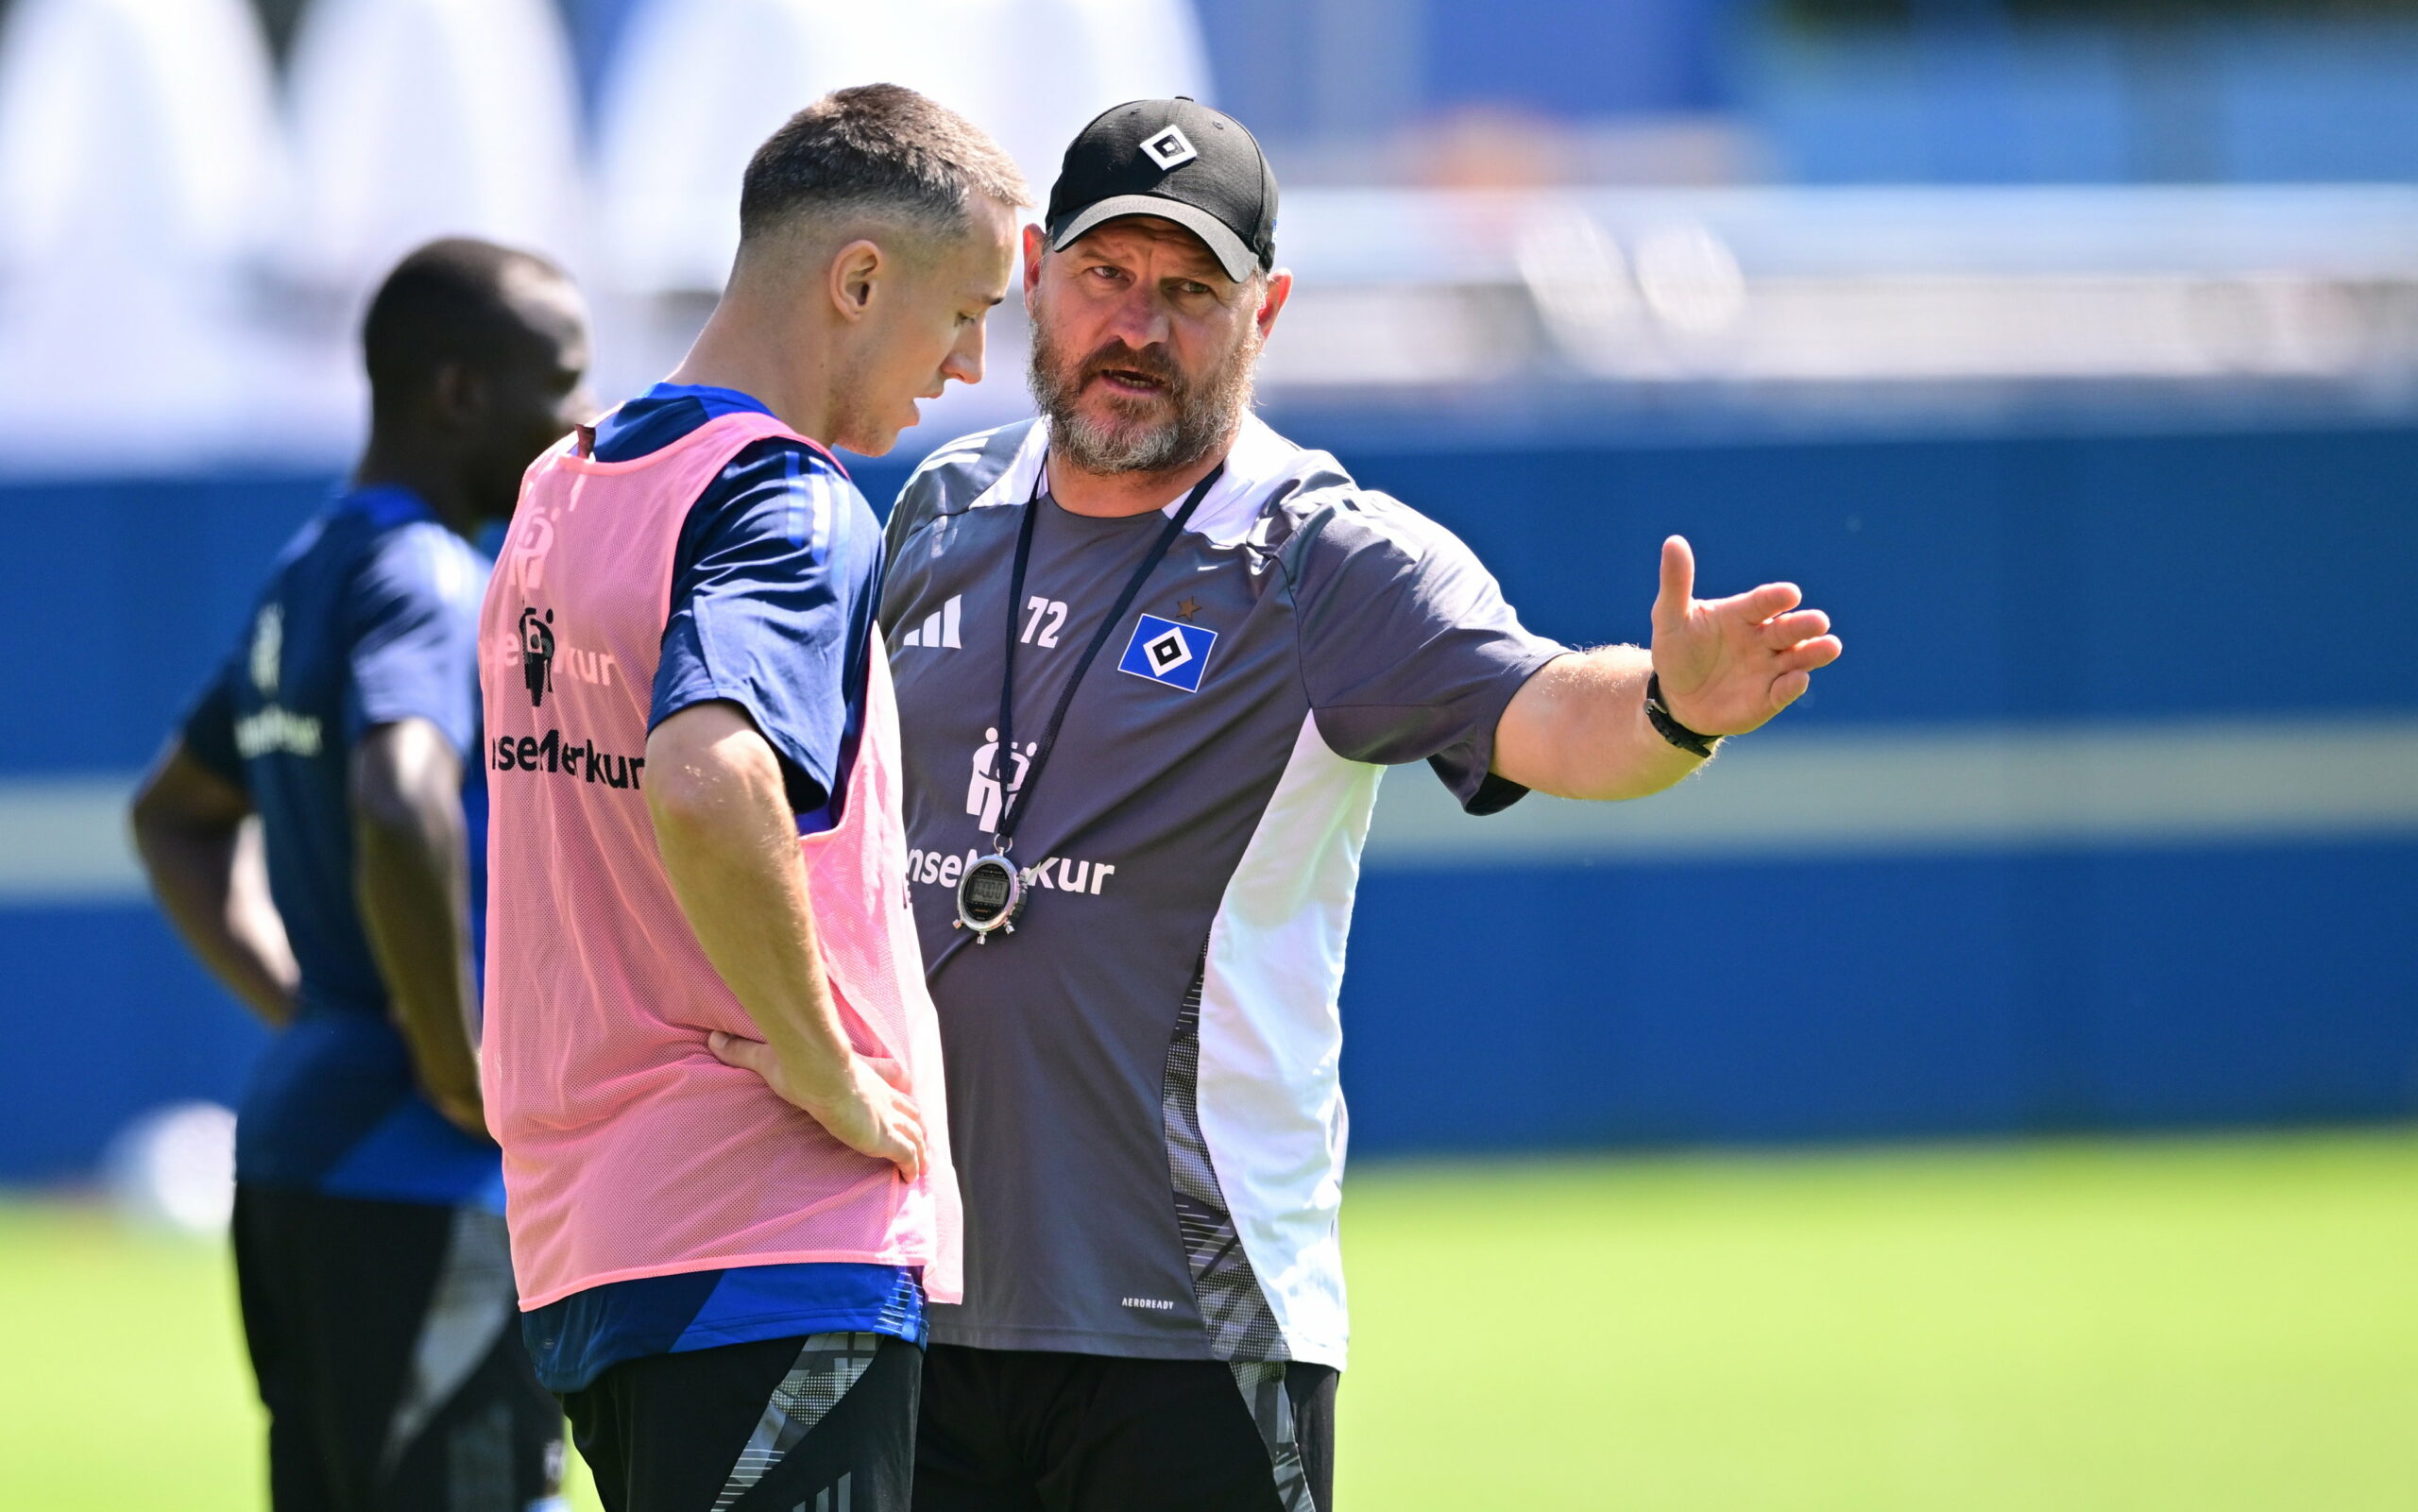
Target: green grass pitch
column 2214, row 1326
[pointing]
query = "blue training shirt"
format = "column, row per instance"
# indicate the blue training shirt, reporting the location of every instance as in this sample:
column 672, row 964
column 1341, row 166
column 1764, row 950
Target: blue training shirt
column 775, row 583
column 370, row 616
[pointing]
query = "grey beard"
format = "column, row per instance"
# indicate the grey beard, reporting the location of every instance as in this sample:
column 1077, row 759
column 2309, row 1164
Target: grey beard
column 1205, row 416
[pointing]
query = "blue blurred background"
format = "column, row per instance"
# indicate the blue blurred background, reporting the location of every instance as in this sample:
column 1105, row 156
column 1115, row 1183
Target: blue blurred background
column 2067, row 352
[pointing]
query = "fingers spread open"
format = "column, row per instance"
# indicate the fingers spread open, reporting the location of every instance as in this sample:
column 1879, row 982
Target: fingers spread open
column 1760, row 604
column 1806, row 655
column 1788, row 629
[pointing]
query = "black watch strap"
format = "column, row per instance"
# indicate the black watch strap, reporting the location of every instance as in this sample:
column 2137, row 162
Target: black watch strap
column 1658, row 715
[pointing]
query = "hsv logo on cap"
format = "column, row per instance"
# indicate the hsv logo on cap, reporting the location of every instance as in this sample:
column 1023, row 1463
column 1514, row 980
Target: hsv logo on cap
column 1171, row 149
column 1166, row 652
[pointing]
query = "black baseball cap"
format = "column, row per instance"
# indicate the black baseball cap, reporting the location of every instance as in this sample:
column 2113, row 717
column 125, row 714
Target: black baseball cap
column 1177, row 158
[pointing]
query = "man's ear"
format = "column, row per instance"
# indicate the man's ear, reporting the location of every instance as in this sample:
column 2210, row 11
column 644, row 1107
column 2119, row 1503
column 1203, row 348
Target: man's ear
column 1036, row 244
column 1271, row 301
column 457, row 393
column 857, row 270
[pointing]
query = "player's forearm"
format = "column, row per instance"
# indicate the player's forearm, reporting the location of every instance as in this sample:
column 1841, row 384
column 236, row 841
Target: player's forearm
column 415, row 906
column 728, row 838
column 224, row 919
column 201, row 851
column 1577, row 729
column 411, row 878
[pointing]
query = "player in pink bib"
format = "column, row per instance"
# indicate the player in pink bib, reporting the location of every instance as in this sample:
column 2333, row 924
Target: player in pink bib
column 709, row 1055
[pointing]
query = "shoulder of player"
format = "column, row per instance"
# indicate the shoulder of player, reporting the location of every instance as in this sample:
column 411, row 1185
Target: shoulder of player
column 957, row 475
column 763, row 475
column 1319, row 517
column 422, row 560
column 776, row 461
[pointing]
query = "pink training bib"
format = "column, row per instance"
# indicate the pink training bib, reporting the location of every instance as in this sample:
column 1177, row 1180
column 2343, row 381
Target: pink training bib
column 628, row 1150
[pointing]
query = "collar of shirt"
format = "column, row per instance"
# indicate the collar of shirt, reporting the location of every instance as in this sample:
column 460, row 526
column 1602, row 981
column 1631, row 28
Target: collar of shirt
column 716, row 401
column 387, row 505
column 663, row 414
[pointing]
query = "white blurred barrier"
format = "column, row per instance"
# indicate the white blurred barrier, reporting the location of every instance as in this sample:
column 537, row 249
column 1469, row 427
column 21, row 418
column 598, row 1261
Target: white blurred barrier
column 1913, row 300
column 174, row 1169
column 179, row 289
column 141, row 173
column 696, row 86
column 1054, row 64
column 142, row 126
column 181, row 263
column 420, row 118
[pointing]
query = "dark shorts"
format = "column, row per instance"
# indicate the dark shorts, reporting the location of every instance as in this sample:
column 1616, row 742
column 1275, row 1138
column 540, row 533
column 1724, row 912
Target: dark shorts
column 1026, row 1431
column 825, row 1423
column 386, row 1342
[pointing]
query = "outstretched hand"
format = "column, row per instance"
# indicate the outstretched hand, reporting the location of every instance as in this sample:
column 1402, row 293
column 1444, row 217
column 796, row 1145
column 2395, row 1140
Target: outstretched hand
column 1728, row 665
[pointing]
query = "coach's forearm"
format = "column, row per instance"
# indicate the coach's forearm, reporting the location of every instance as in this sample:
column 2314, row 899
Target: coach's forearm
column 728, row 838
column 1577, row 729
column 411, row 877
column 200, row 848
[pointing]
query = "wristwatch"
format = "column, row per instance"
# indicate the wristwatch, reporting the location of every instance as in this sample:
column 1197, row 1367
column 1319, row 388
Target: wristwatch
column 1658, row 715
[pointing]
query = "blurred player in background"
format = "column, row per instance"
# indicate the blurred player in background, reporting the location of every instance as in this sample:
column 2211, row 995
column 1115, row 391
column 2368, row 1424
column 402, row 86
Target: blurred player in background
column 370, row 1238
column 1187, row 646
column 711, row 1059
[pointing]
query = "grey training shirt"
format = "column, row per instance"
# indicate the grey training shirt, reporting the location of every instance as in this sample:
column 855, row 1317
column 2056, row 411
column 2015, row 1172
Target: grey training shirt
column 1142, row 1078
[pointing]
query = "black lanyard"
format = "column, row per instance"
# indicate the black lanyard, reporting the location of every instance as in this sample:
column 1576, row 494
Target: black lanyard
column 1012, row 804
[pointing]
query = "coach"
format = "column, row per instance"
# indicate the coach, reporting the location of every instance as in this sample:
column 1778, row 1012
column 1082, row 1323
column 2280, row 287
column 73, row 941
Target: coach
column 1151, row 660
